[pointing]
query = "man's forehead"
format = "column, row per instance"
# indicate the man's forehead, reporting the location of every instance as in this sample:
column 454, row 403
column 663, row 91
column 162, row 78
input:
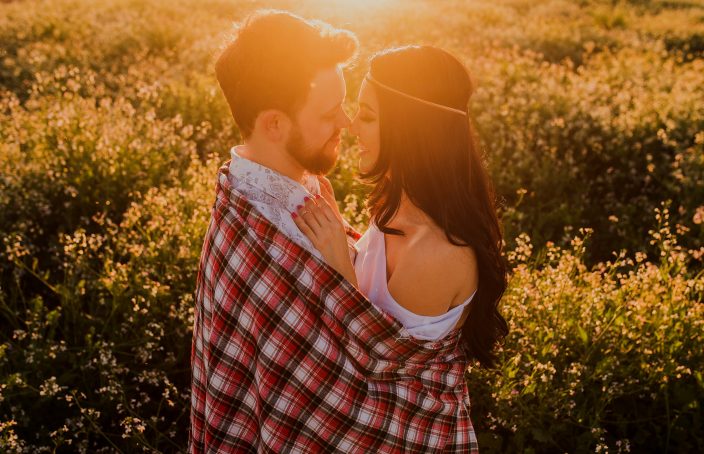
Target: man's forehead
column 327, row 88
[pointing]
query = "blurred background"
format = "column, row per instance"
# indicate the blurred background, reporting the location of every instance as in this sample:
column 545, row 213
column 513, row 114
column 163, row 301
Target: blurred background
column 591, row 116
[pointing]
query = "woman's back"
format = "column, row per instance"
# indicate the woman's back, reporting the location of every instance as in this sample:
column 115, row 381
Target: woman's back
column 420, row 279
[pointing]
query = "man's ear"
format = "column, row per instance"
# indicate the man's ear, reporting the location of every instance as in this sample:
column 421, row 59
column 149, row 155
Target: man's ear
column 274, row 124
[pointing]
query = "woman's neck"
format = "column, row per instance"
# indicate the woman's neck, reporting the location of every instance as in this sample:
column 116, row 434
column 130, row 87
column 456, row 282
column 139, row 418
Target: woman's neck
column 409, row 217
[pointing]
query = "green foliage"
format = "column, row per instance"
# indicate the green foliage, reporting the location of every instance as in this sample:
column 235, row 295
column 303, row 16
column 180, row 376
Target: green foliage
column 595, row 146
column 591, row 113
column 68, row 157
column 597, row 360
column 108, row 348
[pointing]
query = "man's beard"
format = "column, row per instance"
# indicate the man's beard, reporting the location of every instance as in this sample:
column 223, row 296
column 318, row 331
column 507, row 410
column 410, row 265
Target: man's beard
column 315, row 161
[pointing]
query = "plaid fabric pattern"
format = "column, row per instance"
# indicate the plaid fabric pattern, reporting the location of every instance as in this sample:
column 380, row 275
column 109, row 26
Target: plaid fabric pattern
column 287, row 356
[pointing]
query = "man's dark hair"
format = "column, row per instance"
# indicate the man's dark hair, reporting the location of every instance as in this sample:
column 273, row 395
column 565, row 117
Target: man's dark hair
column 272, row 61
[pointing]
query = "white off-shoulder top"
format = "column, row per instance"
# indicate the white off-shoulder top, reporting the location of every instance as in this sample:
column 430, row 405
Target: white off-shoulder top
column 370, row 268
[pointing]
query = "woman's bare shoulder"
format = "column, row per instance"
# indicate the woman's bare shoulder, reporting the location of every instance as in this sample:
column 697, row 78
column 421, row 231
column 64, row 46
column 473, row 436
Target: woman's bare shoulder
column 434, row 275
column 456, row 264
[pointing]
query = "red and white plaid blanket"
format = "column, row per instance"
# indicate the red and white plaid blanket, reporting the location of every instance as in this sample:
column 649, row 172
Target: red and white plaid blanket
column 289, row 357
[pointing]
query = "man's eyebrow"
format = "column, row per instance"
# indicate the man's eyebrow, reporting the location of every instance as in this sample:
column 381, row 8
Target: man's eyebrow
column 366, row 106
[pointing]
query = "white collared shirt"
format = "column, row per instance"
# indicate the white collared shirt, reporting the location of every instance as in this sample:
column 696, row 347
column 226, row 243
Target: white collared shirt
column 274, row 195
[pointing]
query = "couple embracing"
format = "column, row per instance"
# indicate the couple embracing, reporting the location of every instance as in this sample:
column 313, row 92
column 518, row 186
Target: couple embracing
column 308, row 335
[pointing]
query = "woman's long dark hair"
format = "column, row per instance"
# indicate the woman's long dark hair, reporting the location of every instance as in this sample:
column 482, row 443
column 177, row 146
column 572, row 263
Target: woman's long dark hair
column 432, row 155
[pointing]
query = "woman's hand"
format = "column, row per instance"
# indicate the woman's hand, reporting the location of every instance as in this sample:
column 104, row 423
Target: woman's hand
column 324, row 229
column 329, row 195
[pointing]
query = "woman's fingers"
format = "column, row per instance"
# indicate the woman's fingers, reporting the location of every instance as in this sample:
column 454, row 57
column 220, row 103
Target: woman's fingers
column 315, row 218
column 325, row 184
column 303, row 226
column 325, row 210
column 326, row 188
column 328, row 194
column 310, row 212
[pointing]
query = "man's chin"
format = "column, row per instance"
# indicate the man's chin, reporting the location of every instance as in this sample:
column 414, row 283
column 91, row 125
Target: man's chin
column 325, row 162
column 323, row 168
column 320, row 162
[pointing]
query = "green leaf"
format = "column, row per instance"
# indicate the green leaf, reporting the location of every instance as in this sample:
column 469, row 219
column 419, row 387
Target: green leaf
column 583, row 335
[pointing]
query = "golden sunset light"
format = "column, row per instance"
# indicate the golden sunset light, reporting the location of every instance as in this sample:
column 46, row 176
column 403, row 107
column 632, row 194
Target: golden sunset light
column 351, row 226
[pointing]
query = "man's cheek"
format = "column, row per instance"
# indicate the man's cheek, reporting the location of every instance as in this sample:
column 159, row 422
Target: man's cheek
column 324, row 134
column 332, row 131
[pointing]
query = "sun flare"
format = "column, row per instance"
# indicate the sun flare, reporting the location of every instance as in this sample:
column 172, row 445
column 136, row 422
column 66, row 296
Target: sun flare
column 350, row 6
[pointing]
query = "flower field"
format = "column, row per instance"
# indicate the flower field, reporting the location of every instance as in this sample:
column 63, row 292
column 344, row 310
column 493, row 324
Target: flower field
column 591, row 115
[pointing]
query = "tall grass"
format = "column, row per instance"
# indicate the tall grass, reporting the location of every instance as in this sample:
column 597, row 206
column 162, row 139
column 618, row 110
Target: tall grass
column 112, row 127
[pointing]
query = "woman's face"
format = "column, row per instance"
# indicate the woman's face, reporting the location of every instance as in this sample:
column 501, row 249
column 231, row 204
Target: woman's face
column 366, row 127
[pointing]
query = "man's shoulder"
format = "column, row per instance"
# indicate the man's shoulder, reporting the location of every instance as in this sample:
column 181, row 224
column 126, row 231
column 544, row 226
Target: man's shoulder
column 228, row 219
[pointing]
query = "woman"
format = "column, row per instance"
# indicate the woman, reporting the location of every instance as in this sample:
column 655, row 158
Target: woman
column 432, row 254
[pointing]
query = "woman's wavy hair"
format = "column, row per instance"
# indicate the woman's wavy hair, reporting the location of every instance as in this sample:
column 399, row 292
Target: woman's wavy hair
column 433, row 156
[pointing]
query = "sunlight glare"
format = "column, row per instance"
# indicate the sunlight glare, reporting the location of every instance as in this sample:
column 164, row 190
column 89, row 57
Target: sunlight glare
column 351, row 6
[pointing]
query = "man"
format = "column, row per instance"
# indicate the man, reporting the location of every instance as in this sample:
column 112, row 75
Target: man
column 287, row 100
column 287, row 355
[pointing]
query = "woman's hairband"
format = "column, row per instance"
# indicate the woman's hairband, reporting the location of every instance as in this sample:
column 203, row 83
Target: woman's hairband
column 439, row 106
